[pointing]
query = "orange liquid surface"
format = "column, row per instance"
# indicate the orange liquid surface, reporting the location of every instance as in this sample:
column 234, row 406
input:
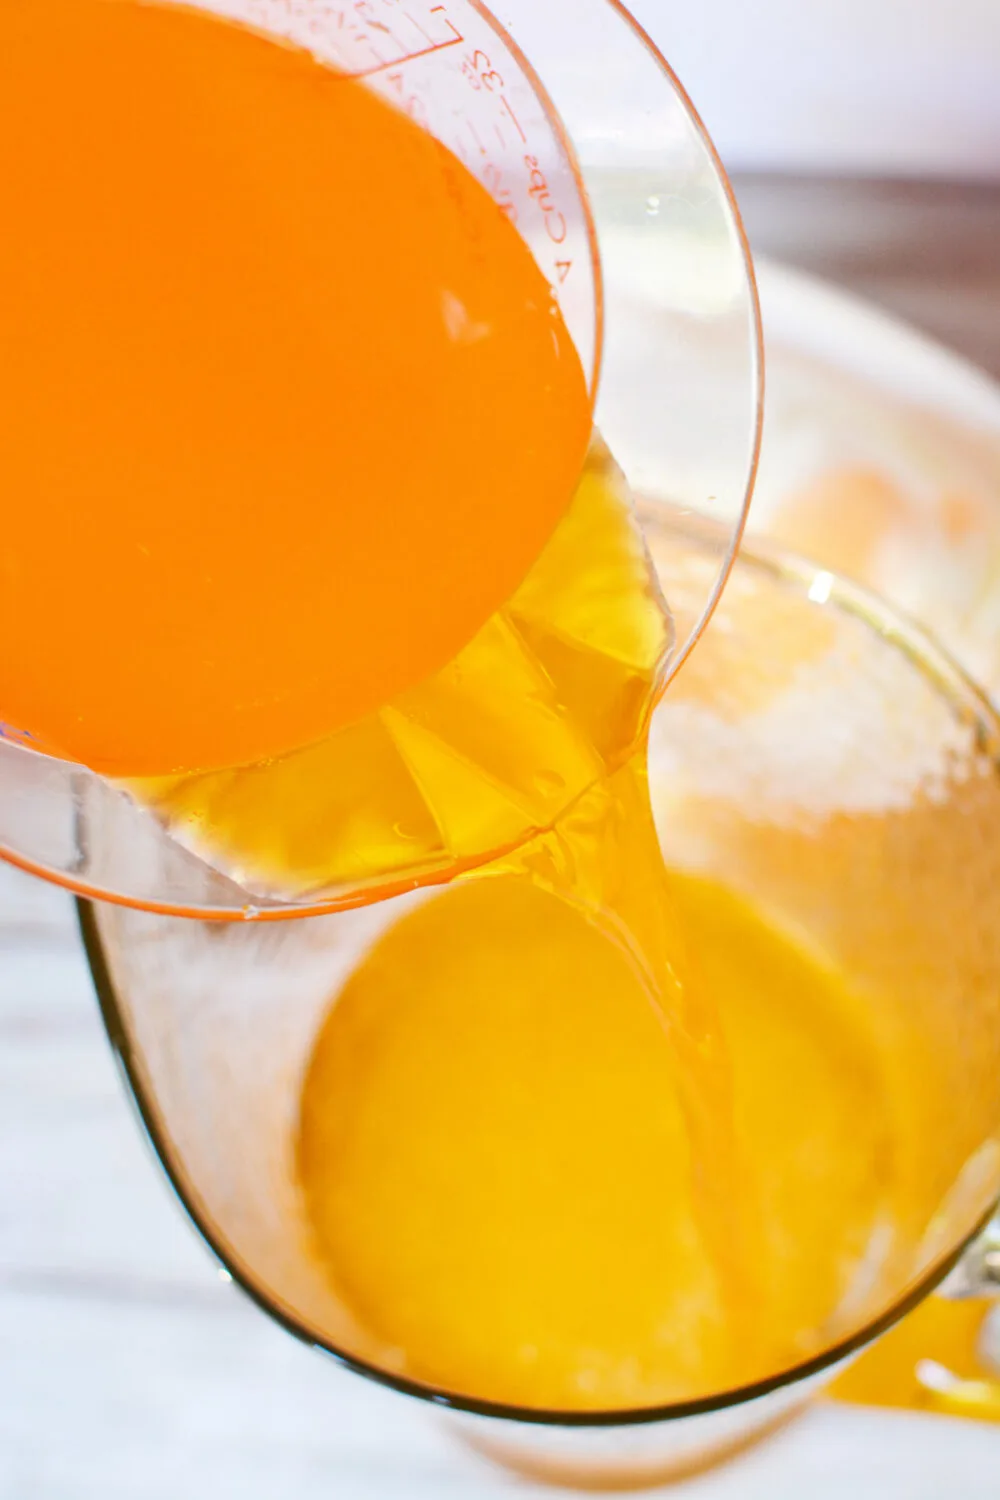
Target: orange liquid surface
column 286, row 407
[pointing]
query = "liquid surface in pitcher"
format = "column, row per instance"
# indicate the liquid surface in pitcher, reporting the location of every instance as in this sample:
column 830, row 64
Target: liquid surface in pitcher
column 496, row 1159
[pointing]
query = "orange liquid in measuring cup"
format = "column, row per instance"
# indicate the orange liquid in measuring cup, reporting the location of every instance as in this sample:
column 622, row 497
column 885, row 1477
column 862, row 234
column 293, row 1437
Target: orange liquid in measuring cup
column 286, row 407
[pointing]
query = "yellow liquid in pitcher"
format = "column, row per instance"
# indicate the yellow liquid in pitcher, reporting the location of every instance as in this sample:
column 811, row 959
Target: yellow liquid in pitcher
column 496, row 1159
column 528, row 747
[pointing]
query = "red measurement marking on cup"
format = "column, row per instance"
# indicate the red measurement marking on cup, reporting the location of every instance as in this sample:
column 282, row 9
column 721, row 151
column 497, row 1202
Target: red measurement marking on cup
column 394, row 36
column 455, row 73
column 361, row 38
column 513, row 118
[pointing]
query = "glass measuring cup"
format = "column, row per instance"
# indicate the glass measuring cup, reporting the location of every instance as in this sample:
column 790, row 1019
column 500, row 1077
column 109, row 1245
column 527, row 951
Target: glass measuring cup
column 579, row 129
column 831, row 764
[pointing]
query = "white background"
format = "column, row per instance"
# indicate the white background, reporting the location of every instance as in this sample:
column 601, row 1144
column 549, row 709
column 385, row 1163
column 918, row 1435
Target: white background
column 869, row 86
